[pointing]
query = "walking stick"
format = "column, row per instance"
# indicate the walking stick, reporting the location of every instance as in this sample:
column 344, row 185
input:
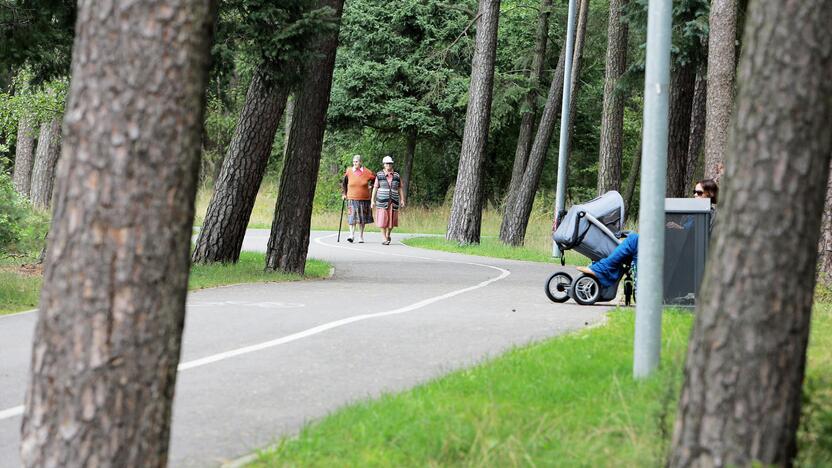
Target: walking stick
column 343, row 202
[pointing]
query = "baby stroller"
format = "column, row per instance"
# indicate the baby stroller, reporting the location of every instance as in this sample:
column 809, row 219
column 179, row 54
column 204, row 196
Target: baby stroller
column 593, row 229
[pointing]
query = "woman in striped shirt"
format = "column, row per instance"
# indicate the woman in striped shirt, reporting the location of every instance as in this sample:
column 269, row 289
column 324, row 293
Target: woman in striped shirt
column 387, row 199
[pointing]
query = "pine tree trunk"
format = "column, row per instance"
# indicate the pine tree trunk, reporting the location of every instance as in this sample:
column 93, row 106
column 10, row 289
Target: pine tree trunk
column 682, row 87
column 516, row 218
column 289, row 237
column 721, row 72
column 466, row 208
column 46, row 157
column 23, row 156
column 577, row 65
column 697, row 126
column 612, row 118
column 825, row 244
column 525, row 135
column 107, row 341
column 740, row 403
column 407, row 171
column 632, row 180
column 235, row 190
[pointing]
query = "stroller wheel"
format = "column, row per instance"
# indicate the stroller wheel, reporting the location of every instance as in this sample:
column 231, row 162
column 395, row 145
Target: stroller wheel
column 557, row 287
column 585, row 290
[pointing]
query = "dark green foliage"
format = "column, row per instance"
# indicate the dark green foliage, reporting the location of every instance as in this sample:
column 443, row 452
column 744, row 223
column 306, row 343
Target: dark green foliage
column 37, row 34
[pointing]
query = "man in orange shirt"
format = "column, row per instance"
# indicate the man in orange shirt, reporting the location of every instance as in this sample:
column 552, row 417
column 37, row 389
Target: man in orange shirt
column 356, row 191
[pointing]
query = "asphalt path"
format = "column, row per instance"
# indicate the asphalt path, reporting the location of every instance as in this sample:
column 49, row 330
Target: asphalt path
column 261, row 360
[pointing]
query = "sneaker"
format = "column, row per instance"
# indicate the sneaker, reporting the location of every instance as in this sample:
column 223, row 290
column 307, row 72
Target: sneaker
column 361, row 241
column 585, row 270
column 349, row 239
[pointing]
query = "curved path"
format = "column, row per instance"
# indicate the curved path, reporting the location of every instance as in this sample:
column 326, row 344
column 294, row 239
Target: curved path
column 260, row 360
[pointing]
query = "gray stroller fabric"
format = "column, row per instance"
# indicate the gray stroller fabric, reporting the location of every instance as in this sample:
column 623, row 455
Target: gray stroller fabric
column 578, row 234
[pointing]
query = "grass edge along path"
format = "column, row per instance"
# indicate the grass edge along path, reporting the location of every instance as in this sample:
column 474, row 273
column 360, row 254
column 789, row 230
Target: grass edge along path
column 21, row 292
column 567, row 401
column 492, row 247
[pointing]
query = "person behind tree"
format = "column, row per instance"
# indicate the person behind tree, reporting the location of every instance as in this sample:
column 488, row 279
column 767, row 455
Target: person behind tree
column 356, row 191
column 609, row 269
column 387, row 199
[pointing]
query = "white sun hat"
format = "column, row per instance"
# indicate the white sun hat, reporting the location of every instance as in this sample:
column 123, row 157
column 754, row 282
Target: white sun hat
column 387, row 159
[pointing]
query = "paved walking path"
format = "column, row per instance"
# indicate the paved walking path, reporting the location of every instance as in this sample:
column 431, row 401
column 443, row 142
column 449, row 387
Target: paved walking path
column 260, row 360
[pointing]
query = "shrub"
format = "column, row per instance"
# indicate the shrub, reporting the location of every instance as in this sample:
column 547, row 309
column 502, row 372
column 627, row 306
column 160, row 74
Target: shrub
column 22, row 229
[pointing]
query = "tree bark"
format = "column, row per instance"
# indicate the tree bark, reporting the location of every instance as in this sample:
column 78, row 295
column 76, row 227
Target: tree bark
column 632, row 181
column 107, row 341
column 46, row 157
column 697, row 126
column 235, row 190
column 407, row 171
column 516, row 218
column 740, row 403
column 682, row 87
column 722, row 66
column 577, row 65
column 525, row 135
column 289, row 237
column 825, row 244
column 466, row 209
column 612, row 118
column 23, row 160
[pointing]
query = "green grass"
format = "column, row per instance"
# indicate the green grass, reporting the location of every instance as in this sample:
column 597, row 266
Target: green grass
column 569, row 401
column 491, row 247
column 249, row 270
column 20, row 292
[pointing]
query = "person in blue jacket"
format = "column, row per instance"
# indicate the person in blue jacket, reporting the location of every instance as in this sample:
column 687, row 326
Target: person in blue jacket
column 609, row 269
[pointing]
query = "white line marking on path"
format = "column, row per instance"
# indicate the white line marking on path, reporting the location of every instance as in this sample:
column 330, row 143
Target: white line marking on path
column 11, row 412
column 18, row 410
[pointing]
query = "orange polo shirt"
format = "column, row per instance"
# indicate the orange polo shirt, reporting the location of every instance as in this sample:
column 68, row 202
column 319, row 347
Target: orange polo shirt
column 358, row 183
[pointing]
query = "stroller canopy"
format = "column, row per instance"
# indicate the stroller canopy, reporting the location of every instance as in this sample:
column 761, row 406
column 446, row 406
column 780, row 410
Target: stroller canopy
column 578, row 233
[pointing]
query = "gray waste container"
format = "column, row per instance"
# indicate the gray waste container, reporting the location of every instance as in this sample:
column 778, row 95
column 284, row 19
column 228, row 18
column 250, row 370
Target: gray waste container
column 687, row 226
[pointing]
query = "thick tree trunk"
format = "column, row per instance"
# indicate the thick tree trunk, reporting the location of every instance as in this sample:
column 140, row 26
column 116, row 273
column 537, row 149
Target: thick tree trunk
column 46, row 157
column 112, row 306
column 516, row 218
column 23, row 156
column 407, row 171
column 697, row 126
column 740, row 403
column 682, row 87
column 612, row 118
column 235, row 190
column 289, row 237
column 722, row 66
column 632, row 180
column 524, row 137
column 825, row 244
column 466, row 209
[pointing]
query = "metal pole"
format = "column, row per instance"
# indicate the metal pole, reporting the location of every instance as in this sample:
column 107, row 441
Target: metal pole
column 648, row 334
column 564, row 116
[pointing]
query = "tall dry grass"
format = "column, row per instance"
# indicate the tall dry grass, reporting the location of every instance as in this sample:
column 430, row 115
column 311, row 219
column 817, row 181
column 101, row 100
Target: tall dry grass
column 412, row 219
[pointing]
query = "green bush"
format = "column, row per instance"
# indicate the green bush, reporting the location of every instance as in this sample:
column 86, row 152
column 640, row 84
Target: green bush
column 22, row 229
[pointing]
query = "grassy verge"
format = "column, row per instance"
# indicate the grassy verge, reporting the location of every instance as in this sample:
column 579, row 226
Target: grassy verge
column 491, row 247
column 570, row 401
column 413, row 219
column 20, row 289
column 249, row 270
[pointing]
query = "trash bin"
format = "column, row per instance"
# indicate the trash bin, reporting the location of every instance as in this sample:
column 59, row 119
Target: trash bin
column 687, row 230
